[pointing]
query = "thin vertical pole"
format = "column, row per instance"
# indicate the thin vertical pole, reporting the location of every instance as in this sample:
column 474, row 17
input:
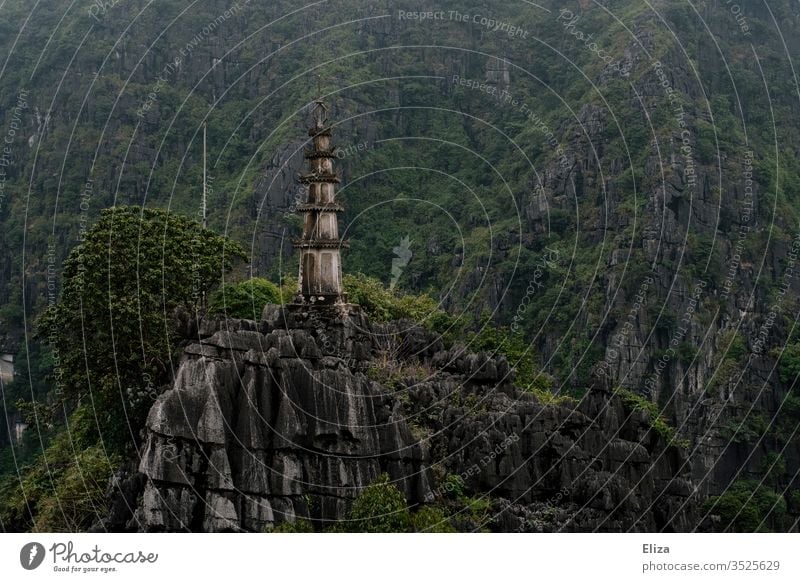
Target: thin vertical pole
column 205, row 187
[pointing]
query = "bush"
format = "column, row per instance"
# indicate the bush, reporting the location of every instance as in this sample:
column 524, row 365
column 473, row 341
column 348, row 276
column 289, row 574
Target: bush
column 299, row 526
column 686, row 353
column 381, row 508
column 246, row 299
column 63, row 490
column 658, row 423
column 745, row 430
column 747, row 507
column 454, row 486
column 773, row 467
column 733, row 345
column 79, row 495
column 384, row 305
column 724, row 373
column 789, row 366
column 431, row 519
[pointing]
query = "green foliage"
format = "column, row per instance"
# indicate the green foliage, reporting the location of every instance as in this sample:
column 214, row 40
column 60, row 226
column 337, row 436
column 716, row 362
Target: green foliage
column 120, row 288
column 686, row 352
column 380, row 508
column 24, row 395
column 633, row 401
column 773, row 467
column 468, row 512
column 746, row 430
column 63, row 489
column 793, row 504
column 299, row 526
column 519, row 353
column 383, row 304
column 728, row 360
column 733, row 346
column 747, row 507
column 431, row 519
column 11, row 315
column 288, row 288
column 23, row 453
column 664, row 321
column 246, row 299
column 791, row 406
column 502, row 341
column 480, row 509
column 789, row 365
column 454, row 486
column 723, row 374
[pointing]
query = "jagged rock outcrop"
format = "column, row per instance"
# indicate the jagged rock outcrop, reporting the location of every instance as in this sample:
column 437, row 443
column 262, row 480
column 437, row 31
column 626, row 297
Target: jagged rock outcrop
column 293, row 416
column 262, row 426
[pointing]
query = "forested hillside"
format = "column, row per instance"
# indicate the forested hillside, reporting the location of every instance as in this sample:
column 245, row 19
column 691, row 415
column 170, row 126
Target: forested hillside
column 616, row 184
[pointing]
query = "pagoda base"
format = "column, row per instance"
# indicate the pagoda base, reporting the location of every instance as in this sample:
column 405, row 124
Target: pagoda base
column 323, row 303
column 321, row 300
column 293, row 314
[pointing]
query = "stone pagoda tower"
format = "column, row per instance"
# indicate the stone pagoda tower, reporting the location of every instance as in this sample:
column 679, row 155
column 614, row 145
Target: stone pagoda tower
column 320, row 279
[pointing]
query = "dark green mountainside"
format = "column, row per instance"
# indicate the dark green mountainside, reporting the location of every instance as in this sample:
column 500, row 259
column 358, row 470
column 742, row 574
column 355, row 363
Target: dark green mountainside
column 617, row 183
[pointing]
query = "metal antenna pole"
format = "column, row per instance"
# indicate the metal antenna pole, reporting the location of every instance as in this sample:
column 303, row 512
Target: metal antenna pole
column 204, row 176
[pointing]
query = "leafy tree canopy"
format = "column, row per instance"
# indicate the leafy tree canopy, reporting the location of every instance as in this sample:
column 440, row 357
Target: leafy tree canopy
column 748, row 507
column 381, row 508
column 112, row 330
column 246, row 299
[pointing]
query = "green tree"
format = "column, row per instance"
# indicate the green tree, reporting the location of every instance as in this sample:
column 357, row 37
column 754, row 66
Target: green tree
column 63, row 489
column 789, row 366
column 246, row 299
column 431, row 519
column 381, row 508
column 112, row 330
column 748, row 507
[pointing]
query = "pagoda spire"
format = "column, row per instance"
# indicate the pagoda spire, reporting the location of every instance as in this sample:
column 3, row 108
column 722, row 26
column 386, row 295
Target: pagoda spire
column 320, row 278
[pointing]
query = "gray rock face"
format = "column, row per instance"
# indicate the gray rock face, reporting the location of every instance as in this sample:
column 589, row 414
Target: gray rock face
column 293, row 416
column 262, row 427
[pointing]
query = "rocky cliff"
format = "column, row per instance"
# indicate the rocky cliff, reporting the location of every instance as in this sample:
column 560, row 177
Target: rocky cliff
column 291, row 417
column 658, row 170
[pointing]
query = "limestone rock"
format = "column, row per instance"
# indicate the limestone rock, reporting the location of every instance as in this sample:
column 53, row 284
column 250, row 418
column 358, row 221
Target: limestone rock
column 292, row 417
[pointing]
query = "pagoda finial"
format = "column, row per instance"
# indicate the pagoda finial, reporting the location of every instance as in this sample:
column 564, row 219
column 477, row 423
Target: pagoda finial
column 319, row 113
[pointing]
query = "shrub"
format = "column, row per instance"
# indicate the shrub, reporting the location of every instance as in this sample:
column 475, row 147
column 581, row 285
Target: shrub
column 380, row 508
column 454, row 486
column 298, row 526
column 246, row 299
column 63, row 490
column 430, row 519
column 384, row 305
column 658, row 423
column 734, row 344
column 723, row 374
column 747, row 507
column 789, row 365
column 745, row 430
column 773, row 467
column 79, row 495
column 502, row 341
column 686, row 352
